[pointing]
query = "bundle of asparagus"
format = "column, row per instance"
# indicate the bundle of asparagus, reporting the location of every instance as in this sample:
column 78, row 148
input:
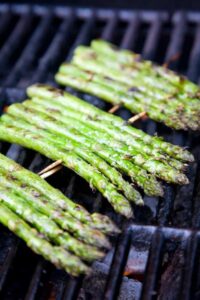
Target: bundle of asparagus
column 98, row 146
column 121, row 77
column 51, row 224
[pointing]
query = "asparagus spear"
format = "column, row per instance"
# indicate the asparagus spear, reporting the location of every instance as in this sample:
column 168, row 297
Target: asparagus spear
column 94, row 129
column 59, row 257
column 134, row 76
column 64, row 220
column 149, row 183
column 129, row 58
column 86, row 59
column 53, row 124
column 56, row 197
column 70, row 160
column 115, row 177
column 172, row 114
column 108, row 94
column 44, row 224
column 126, row 133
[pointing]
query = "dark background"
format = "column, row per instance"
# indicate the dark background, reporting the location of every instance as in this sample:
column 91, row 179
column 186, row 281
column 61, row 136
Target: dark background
column 169, row 5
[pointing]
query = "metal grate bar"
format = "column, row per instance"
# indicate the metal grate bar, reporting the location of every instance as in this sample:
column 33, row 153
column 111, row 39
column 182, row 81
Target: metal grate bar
column 58, row 43
column 110, row 28
column 4, row 269
column 131, row 33
column 15, row 39
column 149, row 290
column 30, row 52
column 35, row 282
column 189, row 256
column 117, row 267
column 72, row 289
column 84, row 34
column 177, row 37
column 194, row 60
column 151, row 43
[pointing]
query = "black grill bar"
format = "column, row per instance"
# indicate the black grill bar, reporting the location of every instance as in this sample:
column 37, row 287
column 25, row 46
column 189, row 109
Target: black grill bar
column 35, row 282
column 150, row 285
column 30, row 52
column 52, row 55
column 117, row 267
column 4, row 269
column 72, row 289
column 177, row 37
column 16, row 38
column 84, row 35
column 152, row 40
column 110, row 28
column 194, row 60
column 190, row 253
column 131, row 33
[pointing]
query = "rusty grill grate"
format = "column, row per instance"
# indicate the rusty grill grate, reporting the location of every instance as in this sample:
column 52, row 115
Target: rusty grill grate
column 149, row 261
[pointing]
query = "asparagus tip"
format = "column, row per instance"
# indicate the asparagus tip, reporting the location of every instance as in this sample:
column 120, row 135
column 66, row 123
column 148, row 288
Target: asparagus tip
column 105, row 224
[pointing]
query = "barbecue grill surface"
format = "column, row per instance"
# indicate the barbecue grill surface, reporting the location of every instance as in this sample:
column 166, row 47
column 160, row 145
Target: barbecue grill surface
column 148, row 261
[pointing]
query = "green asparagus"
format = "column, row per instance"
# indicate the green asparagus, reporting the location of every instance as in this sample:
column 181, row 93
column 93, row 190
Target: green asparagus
column 125, row 132
column 43, row 223
column 53, row 124
column 184, row 106
column 135, row 100
column 56, row 197
column 115, row 177
column 149, row 183
column 76, row 120
column 134, row 60
column 70, row 160
column 59, row 257
column 107, row 133
column 63, row 219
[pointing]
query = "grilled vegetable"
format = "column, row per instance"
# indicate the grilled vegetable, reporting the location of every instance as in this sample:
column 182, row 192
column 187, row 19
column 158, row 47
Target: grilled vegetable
column 133, row 60
column 175, row 114
column 24, row 207
column 140, row 176
column 55, row 254
column 151, row 164
column 121, row 77
column 34, row 140
column 63, row 219
column 108, row 122
column 74, row 119
column 54, row 196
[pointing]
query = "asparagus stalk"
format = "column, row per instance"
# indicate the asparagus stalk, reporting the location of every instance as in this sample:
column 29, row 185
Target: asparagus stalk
column 94, row 129
column 42, row 186
column 56, row 197
column 115, row 177
column 88, row 60
column 148, row 182
column 153, row 166
column 131, row 59
column 44, row 224
column 172, row 113
column 126, row 133
column 107, row 93
column 64, row 220
column 59, row 257
column 71, row 160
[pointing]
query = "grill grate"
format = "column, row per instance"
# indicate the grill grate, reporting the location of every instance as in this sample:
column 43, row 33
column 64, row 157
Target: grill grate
column 164, row 261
